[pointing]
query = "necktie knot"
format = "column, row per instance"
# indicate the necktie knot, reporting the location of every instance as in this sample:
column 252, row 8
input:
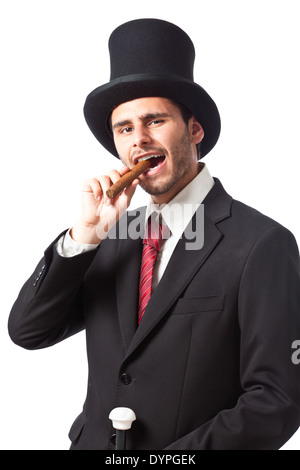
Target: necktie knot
column 156, row 232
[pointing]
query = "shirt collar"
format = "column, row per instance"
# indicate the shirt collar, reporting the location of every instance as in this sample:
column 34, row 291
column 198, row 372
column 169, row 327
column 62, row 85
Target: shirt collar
column 179, row 211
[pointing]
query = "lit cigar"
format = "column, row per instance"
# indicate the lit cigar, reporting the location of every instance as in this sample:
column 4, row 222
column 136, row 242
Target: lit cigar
column 126, row 179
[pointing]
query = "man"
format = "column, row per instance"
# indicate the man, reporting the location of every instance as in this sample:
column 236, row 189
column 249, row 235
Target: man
column 203, row 355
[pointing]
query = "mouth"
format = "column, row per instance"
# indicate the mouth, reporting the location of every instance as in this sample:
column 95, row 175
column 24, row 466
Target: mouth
column 156, row 162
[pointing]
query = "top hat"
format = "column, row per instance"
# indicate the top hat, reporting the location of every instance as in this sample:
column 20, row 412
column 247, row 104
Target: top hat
column 151, row 58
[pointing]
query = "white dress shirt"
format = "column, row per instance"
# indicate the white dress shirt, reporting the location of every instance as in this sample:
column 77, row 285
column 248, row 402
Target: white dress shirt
column 183, row 205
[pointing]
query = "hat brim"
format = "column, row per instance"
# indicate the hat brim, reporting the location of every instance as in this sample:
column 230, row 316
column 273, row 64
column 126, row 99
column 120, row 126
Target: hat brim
column 100, row 103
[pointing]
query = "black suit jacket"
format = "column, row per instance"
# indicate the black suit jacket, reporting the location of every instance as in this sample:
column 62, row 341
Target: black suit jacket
column 210, row 365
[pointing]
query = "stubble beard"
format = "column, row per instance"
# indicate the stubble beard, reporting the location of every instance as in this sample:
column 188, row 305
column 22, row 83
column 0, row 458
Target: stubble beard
column 181, row 159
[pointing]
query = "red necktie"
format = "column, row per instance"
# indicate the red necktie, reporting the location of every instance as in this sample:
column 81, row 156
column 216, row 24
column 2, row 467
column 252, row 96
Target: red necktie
column 154, row 236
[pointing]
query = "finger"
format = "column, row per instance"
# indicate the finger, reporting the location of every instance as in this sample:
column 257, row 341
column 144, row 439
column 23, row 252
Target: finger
column 114, row 175
column 106, row 182
column 93, row 186
column 124, row 170
column 130, row 190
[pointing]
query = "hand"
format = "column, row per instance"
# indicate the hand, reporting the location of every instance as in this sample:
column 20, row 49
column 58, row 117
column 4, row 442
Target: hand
column 99, row 213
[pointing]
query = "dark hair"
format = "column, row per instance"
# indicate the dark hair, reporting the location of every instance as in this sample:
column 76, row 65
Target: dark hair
column 186, row 116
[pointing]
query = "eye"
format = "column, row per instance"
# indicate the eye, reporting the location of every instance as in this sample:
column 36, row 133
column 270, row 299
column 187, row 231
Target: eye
column 156, row 122
column 126, row 130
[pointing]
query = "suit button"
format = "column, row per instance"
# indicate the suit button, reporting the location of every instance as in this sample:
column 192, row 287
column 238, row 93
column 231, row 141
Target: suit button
column 126, row 379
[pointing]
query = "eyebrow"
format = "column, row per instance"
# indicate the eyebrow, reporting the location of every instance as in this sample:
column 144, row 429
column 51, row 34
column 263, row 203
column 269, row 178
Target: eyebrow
column 144, row 117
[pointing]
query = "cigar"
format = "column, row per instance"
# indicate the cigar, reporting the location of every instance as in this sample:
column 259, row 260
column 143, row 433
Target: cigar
column 126, row 179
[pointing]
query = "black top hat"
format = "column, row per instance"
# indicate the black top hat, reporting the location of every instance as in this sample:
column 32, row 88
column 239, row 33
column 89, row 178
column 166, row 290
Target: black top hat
column 151, row 58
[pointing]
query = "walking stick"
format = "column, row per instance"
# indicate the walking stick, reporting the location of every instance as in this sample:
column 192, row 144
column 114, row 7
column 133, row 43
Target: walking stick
column 122, row 419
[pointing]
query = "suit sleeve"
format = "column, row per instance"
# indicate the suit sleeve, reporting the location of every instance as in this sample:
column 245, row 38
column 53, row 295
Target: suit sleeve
column 48, row 308
column 267, row 413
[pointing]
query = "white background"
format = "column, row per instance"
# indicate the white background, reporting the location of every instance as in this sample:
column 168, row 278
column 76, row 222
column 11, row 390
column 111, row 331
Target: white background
column 53, row 53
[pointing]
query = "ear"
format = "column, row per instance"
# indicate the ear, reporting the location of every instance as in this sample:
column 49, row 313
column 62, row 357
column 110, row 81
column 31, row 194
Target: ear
column 196, row 131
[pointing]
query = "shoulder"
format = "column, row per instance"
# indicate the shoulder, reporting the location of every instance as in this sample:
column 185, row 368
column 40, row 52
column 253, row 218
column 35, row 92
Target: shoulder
column 241, row 223
column 250, row 223
column 225, row 209
column 252, row 217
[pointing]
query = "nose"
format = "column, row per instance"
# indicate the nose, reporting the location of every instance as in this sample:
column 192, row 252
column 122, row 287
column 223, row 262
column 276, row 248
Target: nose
column 141, row 136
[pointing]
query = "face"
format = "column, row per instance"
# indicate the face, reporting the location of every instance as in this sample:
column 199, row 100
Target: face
column 153, row 128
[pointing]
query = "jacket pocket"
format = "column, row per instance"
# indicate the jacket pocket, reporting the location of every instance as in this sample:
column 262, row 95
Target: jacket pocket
column 76, row 428
column 199, row 304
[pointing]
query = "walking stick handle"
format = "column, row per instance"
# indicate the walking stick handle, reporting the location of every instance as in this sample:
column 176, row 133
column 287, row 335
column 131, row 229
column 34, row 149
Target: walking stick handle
column 122, row 419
